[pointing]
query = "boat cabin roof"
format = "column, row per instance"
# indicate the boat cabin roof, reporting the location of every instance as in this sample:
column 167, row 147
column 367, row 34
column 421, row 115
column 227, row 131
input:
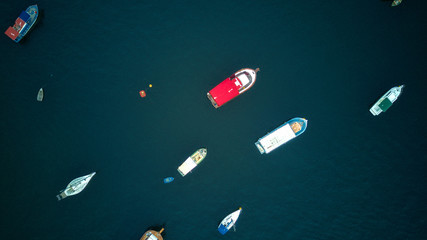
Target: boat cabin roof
column 244, row 79
column 277, row 138
column 24, row 16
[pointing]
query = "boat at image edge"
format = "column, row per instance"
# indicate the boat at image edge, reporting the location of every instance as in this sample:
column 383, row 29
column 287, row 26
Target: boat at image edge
column 191, row 162
column 232, row 87
column 229, row 221
column 75, row 186
column 152, row 235
column 385, row 102
column 281, row 135
column 396, row 2
column 23, row 23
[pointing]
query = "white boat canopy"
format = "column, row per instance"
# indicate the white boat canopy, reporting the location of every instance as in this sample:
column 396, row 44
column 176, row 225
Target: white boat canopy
column 243, row 79
column 187, row 166
column 277, row 138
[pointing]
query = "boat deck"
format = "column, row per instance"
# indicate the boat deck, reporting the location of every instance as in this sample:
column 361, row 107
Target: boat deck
column 152, row 235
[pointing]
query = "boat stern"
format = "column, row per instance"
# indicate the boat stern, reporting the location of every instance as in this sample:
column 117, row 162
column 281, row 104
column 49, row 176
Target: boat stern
column 222, row 229
column 260, row 148
column 375, row 110
column 12, row 33
column 212, row 100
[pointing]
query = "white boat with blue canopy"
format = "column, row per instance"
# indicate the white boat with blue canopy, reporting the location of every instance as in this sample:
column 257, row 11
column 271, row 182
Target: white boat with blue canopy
column 75, row 186
column 229, row 221
column 385, row 102
column 281, row 135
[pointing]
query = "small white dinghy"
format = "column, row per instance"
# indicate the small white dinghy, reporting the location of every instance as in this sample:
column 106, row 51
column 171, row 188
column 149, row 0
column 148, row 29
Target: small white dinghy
column 75, row 186
column 229, row 221
column 40, row 95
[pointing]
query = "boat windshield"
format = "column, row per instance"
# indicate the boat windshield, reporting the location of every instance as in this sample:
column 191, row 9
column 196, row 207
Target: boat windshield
column 245, row 78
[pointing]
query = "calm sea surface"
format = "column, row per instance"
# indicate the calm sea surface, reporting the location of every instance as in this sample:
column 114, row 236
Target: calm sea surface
column 349, row 176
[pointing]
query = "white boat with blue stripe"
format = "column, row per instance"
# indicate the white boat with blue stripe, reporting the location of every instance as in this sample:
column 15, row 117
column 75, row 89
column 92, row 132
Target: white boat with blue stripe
column 281, row 135
column 229, row 221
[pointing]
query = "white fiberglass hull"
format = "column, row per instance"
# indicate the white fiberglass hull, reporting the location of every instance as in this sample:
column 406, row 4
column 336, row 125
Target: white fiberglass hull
column 229, row 221
column 75, row 186
column 386, row 100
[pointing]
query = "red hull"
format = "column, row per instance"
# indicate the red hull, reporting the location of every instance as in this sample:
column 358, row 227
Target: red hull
column 225, row 91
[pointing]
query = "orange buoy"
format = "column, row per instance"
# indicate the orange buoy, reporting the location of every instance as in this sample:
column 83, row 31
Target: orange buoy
column 142, row 93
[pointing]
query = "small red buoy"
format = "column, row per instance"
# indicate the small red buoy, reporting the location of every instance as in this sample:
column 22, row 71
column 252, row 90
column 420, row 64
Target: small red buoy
column 142, row 93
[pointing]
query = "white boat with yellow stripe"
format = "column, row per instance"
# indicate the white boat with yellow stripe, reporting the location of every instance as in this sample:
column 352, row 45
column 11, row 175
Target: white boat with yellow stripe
column 191, row 162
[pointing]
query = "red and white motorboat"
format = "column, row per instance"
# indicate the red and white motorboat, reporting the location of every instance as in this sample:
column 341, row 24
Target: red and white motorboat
column 233, row 86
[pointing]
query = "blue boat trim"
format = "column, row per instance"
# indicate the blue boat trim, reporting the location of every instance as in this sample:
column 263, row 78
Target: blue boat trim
column 293, row 120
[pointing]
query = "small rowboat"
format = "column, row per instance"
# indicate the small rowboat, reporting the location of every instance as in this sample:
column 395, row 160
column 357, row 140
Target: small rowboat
column 168, row 180
column 229, row 221
column 40, row 95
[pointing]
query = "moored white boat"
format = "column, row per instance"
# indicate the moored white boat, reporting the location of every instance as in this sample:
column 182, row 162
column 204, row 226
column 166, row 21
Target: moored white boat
column 40, row 95
column 232, row 87
column 191, row 162
column 229, row 221
column 281, row 135
column 75, row 186
column 385, row 102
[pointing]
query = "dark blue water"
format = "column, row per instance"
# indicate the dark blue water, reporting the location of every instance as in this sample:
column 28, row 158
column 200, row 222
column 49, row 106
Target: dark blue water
column 349, row 176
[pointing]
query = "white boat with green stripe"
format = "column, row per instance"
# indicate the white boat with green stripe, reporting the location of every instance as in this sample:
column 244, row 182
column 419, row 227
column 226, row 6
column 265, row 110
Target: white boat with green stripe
column 385, row 102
